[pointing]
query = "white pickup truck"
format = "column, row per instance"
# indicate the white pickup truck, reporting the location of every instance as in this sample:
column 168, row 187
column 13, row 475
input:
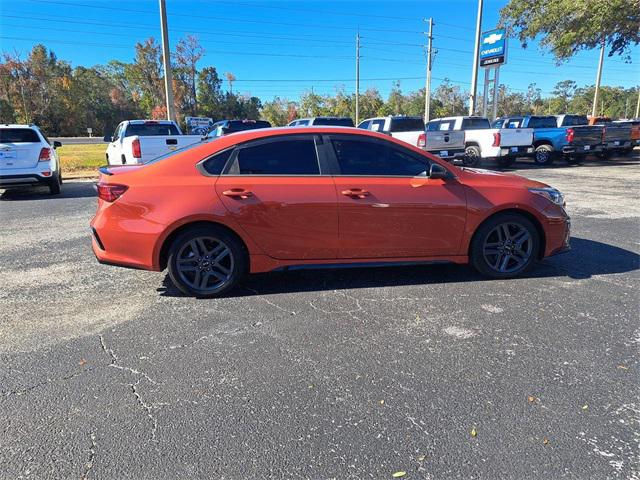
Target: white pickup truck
column 137, row 141
column 471, row 139
column 404, row 128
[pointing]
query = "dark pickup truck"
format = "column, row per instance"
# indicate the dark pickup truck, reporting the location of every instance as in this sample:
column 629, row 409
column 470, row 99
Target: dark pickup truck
column 566, row 136
column 616, row 136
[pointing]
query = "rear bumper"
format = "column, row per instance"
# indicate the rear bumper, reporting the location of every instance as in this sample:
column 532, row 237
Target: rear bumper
column 520, row 151
column 24, row 180
column 582, row 149
column 448, row 155
column 618, row 145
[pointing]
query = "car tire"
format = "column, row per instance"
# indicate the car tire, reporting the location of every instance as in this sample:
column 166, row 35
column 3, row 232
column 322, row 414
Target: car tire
column 543, row 156
column 206, row 261
column 498, row 255
column 55, row 184
column 472, row 156
column 574, row 159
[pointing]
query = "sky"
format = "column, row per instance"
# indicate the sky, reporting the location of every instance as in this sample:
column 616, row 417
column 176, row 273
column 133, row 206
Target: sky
column 284, row 48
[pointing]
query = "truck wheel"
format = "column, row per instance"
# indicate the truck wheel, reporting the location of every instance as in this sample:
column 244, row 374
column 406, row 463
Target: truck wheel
column 505, row 246
column 543, row 155
column 472, row 156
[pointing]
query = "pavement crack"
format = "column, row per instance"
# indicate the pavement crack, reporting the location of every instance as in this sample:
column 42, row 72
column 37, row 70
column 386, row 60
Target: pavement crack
column 134, row 386
column 92, row 455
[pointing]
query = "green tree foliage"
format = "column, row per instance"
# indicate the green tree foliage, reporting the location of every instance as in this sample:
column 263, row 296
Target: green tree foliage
column 568, row 26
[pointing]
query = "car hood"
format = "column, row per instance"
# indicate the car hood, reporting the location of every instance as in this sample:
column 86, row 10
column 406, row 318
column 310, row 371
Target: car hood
column 482, row 177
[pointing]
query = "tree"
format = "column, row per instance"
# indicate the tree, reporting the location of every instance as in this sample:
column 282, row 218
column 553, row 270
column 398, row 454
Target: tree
column 209, row 88
column 563, row 92
column 188, row 53
column 568, row 26
column 230, row 78
column 276, row 111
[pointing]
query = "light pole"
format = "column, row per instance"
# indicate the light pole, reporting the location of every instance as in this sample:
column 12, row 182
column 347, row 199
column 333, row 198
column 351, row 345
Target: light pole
column 476, row 54
column 357, row 78
column 594, row 109
column 427, row 89
column 166, row 62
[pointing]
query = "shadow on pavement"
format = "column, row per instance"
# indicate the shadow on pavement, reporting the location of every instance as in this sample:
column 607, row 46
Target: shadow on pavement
column 587, row 258
column 70, row 189
column 591, row 161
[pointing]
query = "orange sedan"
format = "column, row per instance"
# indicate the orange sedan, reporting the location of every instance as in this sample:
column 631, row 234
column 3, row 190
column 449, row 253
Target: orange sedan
column 276, row 198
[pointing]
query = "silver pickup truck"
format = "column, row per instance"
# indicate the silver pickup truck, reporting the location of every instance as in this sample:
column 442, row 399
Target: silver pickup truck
column 471, row 139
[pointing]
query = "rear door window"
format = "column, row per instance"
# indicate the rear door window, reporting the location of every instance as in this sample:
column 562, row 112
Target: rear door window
column 370, row 157
column 18, row 135
column 377, row 125
column 408, row 124
column 291, row 156
column 542, row 122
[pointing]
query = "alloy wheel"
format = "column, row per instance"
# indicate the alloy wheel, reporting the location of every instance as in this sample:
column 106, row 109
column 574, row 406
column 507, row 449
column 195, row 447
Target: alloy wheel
column 508, row 247
column 205, row 264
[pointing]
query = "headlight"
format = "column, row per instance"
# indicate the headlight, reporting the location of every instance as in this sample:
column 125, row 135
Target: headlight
column 550, row 194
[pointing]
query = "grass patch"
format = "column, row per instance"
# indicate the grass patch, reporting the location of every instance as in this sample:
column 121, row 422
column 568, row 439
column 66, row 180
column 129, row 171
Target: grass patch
column 77, row 159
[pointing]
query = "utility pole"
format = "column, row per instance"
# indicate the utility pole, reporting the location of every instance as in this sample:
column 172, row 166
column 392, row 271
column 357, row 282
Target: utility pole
column 476, row 55
column 638, row 106
column 594, row 110
column 427, row 89
column 166, row 61
column 357, row 78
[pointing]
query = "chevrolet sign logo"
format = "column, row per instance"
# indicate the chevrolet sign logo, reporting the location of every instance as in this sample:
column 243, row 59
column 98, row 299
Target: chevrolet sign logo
column 493, row 38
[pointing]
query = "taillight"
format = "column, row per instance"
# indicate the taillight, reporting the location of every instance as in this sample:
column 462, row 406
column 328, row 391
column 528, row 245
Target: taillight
column 135, row 148
column 110, row 192
column 422, row 140
column 496, row 139
column 569, row 135
column 45, row 155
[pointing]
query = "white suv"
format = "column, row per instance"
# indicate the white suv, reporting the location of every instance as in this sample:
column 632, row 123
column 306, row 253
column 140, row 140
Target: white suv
column 27, row 158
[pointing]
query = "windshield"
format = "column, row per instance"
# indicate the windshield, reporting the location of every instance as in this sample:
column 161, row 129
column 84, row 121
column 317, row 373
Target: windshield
column 241, row 125
column 18, row 135
column 408, row 124
column 151, row 129
column 340, row 122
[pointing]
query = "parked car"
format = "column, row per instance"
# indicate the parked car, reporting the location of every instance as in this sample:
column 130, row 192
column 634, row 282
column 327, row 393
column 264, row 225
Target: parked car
column 407, row 129
column 582, row 139
column 225, row 127
column 138, row 141
column 27, row 158
column 616, row 137
column 635, row 131
column 472, row 139
column 337, row 121
column 293, row 197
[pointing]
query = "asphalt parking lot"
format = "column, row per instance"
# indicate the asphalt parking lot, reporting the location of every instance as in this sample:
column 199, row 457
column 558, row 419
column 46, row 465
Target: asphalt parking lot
column 356, row 373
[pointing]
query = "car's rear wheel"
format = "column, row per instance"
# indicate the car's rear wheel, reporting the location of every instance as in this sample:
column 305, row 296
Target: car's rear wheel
column 543, row 155
column 55, row 184
column 505, row 246
column 206, row 262
column 472, row 156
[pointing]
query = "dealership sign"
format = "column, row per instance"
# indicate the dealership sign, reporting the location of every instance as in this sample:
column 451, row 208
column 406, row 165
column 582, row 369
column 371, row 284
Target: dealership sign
column 198, row 125
column 493, row 48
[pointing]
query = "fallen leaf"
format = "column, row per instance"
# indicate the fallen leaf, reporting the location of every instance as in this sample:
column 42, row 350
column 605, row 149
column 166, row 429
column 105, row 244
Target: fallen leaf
column 545, row 440
column 82, row 362
column 623, row 367
column 310, row 386
column 531, row 399
column 474, row 433
column 584, row 407
column 381, row 402
column 421, row 458
column 399, row 474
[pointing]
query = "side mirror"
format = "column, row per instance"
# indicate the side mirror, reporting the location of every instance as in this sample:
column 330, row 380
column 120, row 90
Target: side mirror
column 438, row 171
column 57, row 144
column 107, row 138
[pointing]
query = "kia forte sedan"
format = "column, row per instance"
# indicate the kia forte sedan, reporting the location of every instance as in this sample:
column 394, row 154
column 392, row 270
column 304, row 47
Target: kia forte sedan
column 297, row 197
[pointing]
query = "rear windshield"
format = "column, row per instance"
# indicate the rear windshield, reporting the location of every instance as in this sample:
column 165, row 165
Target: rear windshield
column 542, row 122
column 151, row 129
column 406, row 125
column 340, row 122
column 571, row 120
column 440, row 125
column 18, row 135
column 241, row 125
column 475, row 124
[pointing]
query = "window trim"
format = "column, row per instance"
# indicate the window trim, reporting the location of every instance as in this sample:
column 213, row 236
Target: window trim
column 318, row 142
column 202, row 169
column 335, row 166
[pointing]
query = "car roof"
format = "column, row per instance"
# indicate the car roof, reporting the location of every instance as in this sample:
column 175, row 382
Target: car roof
column 141, row 122
column 18, row 125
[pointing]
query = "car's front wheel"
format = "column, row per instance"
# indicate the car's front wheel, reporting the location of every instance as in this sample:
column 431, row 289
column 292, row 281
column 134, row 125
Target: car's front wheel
column 206, row 261
column 505, row 246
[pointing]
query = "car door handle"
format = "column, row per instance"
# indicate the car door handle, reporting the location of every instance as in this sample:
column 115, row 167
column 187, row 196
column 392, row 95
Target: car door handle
column 238, row 193
column 356, row 193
